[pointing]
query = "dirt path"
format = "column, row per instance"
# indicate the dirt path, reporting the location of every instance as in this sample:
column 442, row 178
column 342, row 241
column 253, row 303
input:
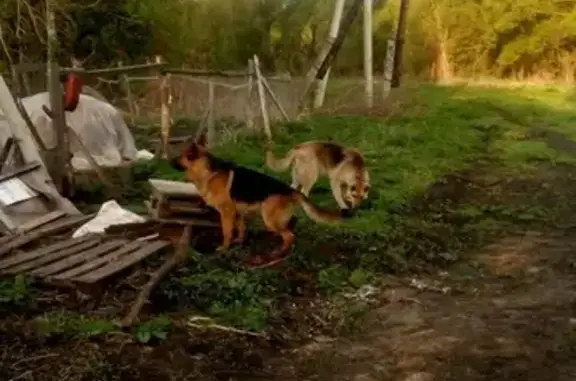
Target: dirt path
column 511, row 316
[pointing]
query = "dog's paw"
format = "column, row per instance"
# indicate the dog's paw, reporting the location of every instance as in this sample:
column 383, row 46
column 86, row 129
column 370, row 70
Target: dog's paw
column 222, row 249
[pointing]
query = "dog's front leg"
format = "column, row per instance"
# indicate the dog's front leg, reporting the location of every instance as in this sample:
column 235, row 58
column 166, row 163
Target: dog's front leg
column 227, row 222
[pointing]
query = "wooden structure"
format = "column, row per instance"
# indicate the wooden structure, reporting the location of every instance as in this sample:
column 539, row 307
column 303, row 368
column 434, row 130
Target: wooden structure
column 83, row 261
column 178, row 202
column 28, row 196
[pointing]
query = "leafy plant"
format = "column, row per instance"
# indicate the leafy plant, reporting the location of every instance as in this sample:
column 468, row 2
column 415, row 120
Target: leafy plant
column 156, row 328
column 16, row 290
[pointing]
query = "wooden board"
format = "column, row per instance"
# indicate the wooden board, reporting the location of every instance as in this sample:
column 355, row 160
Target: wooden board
column 123, row 262
column 85, row 260
column 55, row 227
column 174, row 188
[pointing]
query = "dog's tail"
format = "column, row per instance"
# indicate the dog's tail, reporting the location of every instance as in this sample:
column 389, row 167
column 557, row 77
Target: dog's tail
column 315, row 212
column 277, row 164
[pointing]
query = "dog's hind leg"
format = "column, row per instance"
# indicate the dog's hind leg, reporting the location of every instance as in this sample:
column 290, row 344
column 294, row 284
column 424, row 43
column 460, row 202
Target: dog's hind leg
column 277, row 216
column 240, row 228
column 306, row 174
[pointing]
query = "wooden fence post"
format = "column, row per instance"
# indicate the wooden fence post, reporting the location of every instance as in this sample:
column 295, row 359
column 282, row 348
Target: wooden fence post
column 62, row 162
column 262, row 97
column 164, row 112
column 250, row 88
column 211, row 132
column 125, row 83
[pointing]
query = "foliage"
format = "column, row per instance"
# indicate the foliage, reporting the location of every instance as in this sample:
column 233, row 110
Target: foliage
column 445, row 38
column 62, row 323
column 15, row 291
column 156, row 328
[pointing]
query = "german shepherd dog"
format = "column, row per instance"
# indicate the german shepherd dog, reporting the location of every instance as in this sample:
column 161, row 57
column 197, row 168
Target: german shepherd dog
column 235, row 191
column 345, row 167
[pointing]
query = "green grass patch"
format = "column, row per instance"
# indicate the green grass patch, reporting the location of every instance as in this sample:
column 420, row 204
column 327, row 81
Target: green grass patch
column 439, row 131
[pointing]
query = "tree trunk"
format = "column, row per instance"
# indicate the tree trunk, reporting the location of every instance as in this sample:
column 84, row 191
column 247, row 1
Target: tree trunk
column 332, row 34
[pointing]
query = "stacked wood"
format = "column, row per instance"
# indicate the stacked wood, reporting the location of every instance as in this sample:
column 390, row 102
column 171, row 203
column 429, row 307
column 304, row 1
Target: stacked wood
column 179, row 202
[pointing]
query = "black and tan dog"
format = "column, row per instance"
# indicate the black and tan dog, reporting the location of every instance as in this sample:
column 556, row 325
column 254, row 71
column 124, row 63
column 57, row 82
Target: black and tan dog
column 235, row 191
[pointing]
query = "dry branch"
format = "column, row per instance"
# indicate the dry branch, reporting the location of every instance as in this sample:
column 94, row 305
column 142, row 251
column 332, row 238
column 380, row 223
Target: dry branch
column 179, row 257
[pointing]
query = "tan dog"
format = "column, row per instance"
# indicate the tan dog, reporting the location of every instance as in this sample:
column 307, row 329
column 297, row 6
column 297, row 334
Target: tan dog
column 345, row 168
column 234, row 191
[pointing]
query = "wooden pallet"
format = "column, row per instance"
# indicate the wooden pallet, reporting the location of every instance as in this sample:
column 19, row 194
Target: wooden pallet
column 86, row 260
column 47, row 225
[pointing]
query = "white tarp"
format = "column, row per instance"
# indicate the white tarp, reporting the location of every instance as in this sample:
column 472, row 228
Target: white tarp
column 99, row 124
column 110, row 213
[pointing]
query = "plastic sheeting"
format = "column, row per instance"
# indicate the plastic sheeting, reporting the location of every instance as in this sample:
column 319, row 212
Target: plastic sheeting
column 99, row 125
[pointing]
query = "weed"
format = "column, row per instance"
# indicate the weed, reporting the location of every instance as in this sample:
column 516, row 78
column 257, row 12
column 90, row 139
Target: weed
column 156, row 328
column 332, row 279
column 15, row 291
column 61, row 323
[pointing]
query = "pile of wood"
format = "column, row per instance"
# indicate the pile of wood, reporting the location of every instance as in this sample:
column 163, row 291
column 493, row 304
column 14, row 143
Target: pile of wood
column 179, row 202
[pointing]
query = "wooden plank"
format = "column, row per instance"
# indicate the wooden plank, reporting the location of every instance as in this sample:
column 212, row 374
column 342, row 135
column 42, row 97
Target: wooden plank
column 123, row 263
column 5, row 153
column 23, row 257
column 35, row 263
column 174, row 188
column 98, row 262
column 53, row 228
column 40, row 221
column 6, row 223
column 29, row 150
column 184, row 206
column 77, row 259
column 20, row 171
column 188, row 221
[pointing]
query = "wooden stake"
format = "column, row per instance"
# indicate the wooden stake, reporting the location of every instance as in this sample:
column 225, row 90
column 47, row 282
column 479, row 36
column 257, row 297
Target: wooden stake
column 261, row 96
column 164, row 111
column 126, row 86
column 180, row 257
column 211, row 131
column 61, row 169
column 249, row 90
column 388, row 68
column 274, row 98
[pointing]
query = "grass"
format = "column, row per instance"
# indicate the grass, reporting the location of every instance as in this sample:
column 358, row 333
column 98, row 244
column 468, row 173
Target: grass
column 432, row 132
column 439, row 130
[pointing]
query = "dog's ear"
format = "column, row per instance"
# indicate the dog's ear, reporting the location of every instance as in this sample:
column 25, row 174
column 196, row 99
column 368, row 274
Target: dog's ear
column 190, row 150
column 201, row 140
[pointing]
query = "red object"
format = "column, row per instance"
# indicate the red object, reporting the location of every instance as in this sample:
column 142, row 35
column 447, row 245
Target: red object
column 72, row 91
